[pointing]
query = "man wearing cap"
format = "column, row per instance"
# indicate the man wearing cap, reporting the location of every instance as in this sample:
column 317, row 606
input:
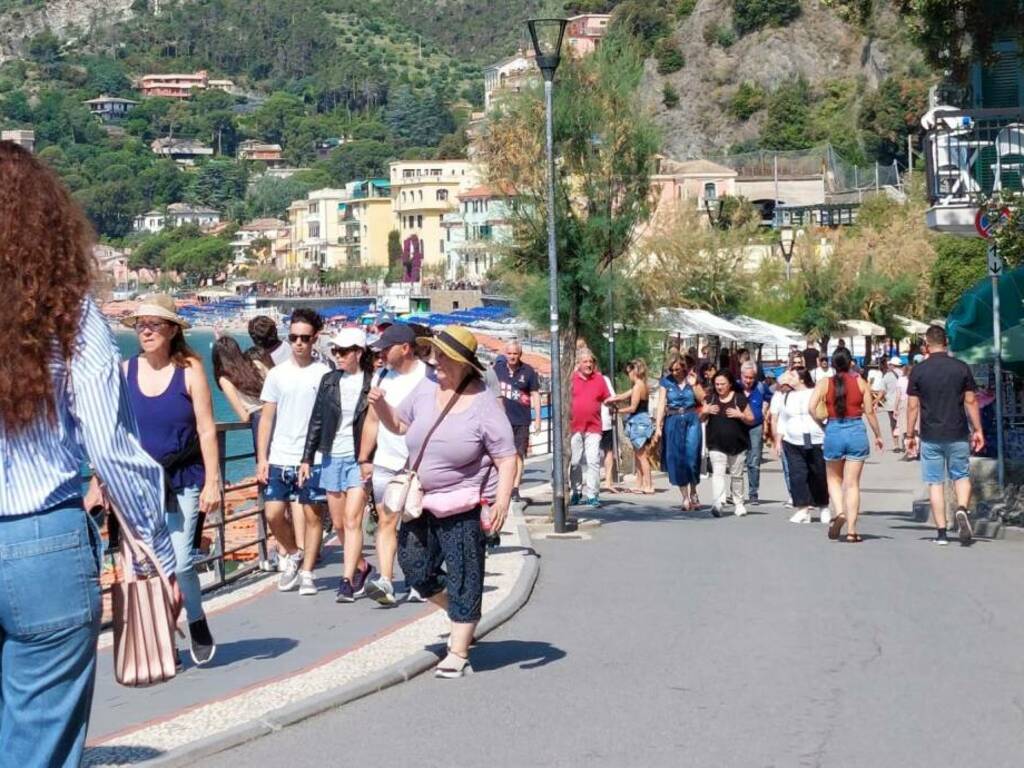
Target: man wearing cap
column 382, row 452
column 589, row 392
column 289, row 393
column 519, row 390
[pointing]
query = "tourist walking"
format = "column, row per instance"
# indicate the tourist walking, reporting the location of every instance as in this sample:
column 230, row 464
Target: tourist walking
column 608, row 457
column 678, row 426
column 171, row 398
column 901, row 409
column 466, row 466
column 942, row 391
column 759, row 397
column 891, row 398
column 335, row 432
column 241, row 381
column 263, row 332
column 848, row 402
column 639, row 426
column 801, row 438
column 519, row 388
column 289, row 393
column 822, row 370
column 382, row 451
column 728, row 418
column 589, row 391
column 63, row 402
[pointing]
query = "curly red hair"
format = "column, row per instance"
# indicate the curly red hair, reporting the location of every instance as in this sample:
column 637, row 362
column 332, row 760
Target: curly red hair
column 47, row 269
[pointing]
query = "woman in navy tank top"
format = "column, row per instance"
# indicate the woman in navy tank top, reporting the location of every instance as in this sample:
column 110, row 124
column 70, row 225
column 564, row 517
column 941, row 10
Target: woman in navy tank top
column 174, row 409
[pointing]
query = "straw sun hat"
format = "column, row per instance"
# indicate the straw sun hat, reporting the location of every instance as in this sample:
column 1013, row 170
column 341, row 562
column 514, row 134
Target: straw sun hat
column 158, row 305
column 457, row 343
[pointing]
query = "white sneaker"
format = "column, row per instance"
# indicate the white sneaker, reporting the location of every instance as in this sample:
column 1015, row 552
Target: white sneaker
column 414, row 596
column 789, row 503
column 801, row 516
column 306, row 584
column 739, row 509
column 289, row 578
column 826, row 515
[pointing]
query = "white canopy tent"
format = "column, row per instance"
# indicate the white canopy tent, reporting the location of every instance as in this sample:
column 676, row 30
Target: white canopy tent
column 860, row 328
column 697, row 322
column 910, row 326
column 769, row 334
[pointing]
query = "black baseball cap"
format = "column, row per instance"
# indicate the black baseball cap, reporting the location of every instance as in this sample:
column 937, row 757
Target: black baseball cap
column 394, row 334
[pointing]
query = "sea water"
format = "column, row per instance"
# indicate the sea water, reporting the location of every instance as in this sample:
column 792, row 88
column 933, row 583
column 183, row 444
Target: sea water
column 201, row 341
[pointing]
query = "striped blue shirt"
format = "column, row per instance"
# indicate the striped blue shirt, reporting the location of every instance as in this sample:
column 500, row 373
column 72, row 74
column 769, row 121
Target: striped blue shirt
column 41, row 465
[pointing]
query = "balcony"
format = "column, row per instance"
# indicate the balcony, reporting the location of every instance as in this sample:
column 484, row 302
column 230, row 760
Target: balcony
column 970, row 156
column 349, row 240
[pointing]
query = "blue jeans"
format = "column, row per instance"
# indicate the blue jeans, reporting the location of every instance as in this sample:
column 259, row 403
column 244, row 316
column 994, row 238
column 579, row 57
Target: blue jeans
column 182, row 518
column 754, row 460
column 49, row 622
column 941, row 459
column 846, row 439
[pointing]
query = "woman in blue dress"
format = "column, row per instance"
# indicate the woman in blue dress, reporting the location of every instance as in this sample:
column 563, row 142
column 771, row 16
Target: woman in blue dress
column 678, row 427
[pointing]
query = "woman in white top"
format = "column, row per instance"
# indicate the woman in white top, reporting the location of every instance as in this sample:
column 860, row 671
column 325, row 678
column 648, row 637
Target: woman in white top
column 801, row 438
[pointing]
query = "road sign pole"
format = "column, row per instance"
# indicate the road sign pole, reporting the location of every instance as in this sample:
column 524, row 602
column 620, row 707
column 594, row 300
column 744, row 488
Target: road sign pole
column 997, row 354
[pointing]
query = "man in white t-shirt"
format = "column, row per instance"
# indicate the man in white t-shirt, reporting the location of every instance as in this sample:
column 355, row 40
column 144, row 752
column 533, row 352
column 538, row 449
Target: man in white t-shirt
column 288, row 395
column 403, row 372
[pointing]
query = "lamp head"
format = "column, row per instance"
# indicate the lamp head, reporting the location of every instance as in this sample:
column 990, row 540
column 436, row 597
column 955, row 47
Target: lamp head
column 547, row 35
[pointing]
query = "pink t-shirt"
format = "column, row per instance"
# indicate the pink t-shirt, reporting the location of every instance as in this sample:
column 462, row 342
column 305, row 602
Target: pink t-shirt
column 461, row 450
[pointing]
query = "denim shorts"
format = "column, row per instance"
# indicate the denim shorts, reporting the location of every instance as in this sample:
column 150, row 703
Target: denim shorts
column 940, row 459
column 339, row 474
column 846, row 439
column 283, row 485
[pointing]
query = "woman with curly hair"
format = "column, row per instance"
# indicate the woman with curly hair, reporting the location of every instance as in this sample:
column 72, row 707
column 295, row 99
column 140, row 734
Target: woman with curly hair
column 63, row 401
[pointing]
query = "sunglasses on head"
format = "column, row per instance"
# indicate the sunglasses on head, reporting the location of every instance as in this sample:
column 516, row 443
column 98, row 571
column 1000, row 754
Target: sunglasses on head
column 344, row 350
column 305, row 338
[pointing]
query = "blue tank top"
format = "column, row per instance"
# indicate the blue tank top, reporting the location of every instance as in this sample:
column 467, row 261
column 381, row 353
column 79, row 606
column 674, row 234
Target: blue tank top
column 167, row 424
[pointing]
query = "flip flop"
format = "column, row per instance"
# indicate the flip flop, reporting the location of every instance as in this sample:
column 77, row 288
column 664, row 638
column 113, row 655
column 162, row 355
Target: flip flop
column 836, row 526
column 853, row 538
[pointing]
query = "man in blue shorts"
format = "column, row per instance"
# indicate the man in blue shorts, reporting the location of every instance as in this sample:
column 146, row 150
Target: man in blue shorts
column 289, row 393
column 941, row 390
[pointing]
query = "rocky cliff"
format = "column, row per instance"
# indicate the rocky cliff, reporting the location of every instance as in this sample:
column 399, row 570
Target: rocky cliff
column 66, row 18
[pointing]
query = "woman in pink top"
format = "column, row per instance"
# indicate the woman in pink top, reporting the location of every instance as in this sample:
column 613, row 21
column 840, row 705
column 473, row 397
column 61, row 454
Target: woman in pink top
column 467, row 472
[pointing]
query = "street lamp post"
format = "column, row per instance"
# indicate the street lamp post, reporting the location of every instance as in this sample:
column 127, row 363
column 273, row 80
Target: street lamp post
column 547, row 35
column 787, row 242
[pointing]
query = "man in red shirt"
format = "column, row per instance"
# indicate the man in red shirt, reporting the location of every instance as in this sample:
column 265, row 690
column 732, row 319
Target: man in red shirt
column 589, row 391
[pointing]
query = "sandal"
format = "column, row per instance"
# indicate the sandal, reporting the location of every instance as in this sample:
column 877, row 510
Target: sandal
column 836, row 526
column 853, row 538
column 453, row 666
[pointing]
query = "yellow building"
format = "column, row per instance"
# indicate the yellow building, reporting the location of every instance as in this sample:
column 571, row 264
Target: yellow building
column 366, row 220
column 422, row 192
column 315, row 231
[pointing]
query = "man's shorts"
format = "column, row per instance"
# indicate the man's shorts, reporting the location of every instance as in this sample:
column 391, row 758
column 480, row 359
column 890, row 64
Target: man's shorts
column 339, row 474
column 521, row 437
column 283, row 485
column 939, row 460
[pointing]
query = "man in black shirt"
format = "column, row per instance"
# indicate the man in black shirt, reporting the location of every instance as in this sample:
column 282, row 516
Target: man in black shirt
column 520, row 392
column 941, row 390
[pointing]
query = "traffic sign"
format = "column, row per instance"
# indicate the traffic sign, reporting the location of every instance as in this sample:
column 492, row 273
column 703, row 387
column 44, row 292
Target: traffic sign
column 995, row 261
column 989, row 221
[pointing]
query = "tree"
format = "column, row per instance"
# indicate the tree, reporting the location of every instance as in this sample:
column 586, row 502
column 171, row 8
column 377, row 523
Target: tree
column 396, row 270
column 606, row 144
column 161, row 184
column 199, row 258
column 358, row 160
column 670, row 58
column 216, row 183
column 960, row 262
column 271, row 196
column 891, row 113
column 111, row 206
column 418, row 118
column 787, row 123
column 751, row 15
column 271, row 120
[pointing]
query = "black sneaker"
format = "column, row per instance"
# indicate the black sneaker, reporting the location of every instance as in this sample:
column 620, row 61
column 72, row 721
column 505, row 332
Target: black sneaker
column 963, row 527
column 345, row 593
column 753, row 501
column 360, row 579
column 202, row 645
column 940, row 538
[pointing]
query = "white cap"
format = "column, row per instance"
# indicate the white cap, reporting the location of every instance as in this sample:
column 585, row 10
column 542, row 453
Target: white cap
column 896, row 362
column 349, row 337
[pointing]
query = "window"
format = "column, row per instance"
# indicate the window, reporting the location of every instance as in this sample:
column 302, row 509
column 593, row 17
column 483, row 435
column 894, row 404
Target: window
column 442, row 194
column 710, row 193
column 442, row 246
column 455, row 305
column 403, row 197
column 314, row 208
column 421, row 195
column 419, row 222
column 314, row 229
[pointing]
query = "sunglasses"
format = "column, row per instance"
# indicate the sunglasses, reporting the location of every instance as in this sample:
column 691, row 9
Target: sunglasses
column 150, row 325
column 338, row 351
column 305, row 338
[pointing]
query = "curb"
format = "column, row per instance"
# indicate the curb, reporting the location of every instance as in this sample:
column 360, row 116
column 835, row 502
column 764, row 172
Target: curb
column 400, row 672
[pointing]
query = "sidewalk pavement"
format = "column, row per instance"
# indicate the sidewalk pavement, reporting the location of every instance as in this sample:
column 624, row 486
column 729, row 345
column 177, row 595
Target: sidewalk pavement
column 283, row 657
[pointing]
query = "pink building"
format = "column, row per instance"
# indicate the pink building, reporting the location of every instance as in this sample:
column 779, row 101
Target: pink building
column 584, row 32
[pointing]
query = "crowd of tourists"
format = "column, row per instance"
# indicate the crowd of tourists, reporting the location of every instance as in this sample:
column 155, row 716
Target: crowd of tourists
column 343, row 428
column 713, row 419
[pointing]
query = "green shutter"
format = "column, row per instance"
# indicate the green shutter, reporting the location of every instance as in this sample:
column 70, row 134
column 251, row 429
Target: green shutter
column 1001, row 81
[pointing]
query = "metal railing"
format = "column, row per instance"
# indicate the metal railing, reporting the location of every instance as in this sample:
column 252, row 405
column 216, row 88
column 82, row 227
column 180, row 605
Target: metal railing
column 970, row 155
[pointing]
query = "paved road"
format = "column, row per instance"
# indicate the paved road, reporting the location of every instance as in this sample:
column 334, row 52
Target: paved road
column 676, row 639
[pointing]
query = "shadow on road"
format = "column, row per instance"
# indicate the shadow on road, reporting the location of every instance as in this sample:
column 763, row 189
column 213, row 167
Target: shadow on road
column 119, row 755
column 251, row 648
column 505, row 653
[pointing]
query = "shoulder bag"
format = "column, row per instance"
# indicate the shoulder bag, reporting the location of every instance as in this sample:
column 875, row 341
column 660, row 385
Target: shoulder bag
column 144, row 619
column 404, row 492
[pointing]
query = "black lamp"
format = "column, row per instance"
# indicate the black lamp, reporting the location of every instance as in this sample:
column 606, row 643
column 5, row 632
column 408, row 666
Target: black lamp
column 547, row 35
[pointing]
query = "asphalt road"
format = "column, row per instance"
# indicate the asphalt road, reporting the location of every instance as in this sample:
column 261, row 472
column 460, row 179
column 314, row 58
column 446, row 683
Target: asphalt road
column 675, row 639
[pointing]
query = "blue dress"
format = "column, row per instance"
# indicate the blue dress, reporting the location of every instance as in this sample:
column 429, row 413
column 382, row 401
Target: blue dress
column 681, row 436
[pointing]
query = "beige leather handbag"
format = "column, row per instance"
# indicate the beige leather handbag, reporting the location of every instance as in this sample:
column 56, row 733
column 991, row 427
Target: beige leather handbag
column 144, row 617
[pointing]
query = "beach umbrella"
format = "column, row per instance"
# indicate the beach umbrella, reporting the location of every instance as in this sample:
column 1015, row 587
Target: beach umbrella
column 969, row 325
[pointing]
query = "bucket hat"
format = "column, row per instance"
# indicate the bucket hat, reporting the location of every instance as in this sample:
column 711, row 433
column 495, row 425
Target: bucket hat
column 457, row 343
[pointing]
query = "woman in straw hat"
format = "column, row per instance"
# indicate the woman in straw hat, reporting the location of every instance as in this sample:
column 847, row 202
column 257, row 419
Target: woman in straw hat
column 171, row 398
column 62, row 402
column 467, row 461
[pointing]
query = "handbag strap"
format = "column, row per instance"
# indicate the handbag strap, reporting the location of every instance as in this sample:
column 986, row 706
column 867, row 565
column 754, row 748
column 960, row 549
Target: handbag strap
column 444, row 412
